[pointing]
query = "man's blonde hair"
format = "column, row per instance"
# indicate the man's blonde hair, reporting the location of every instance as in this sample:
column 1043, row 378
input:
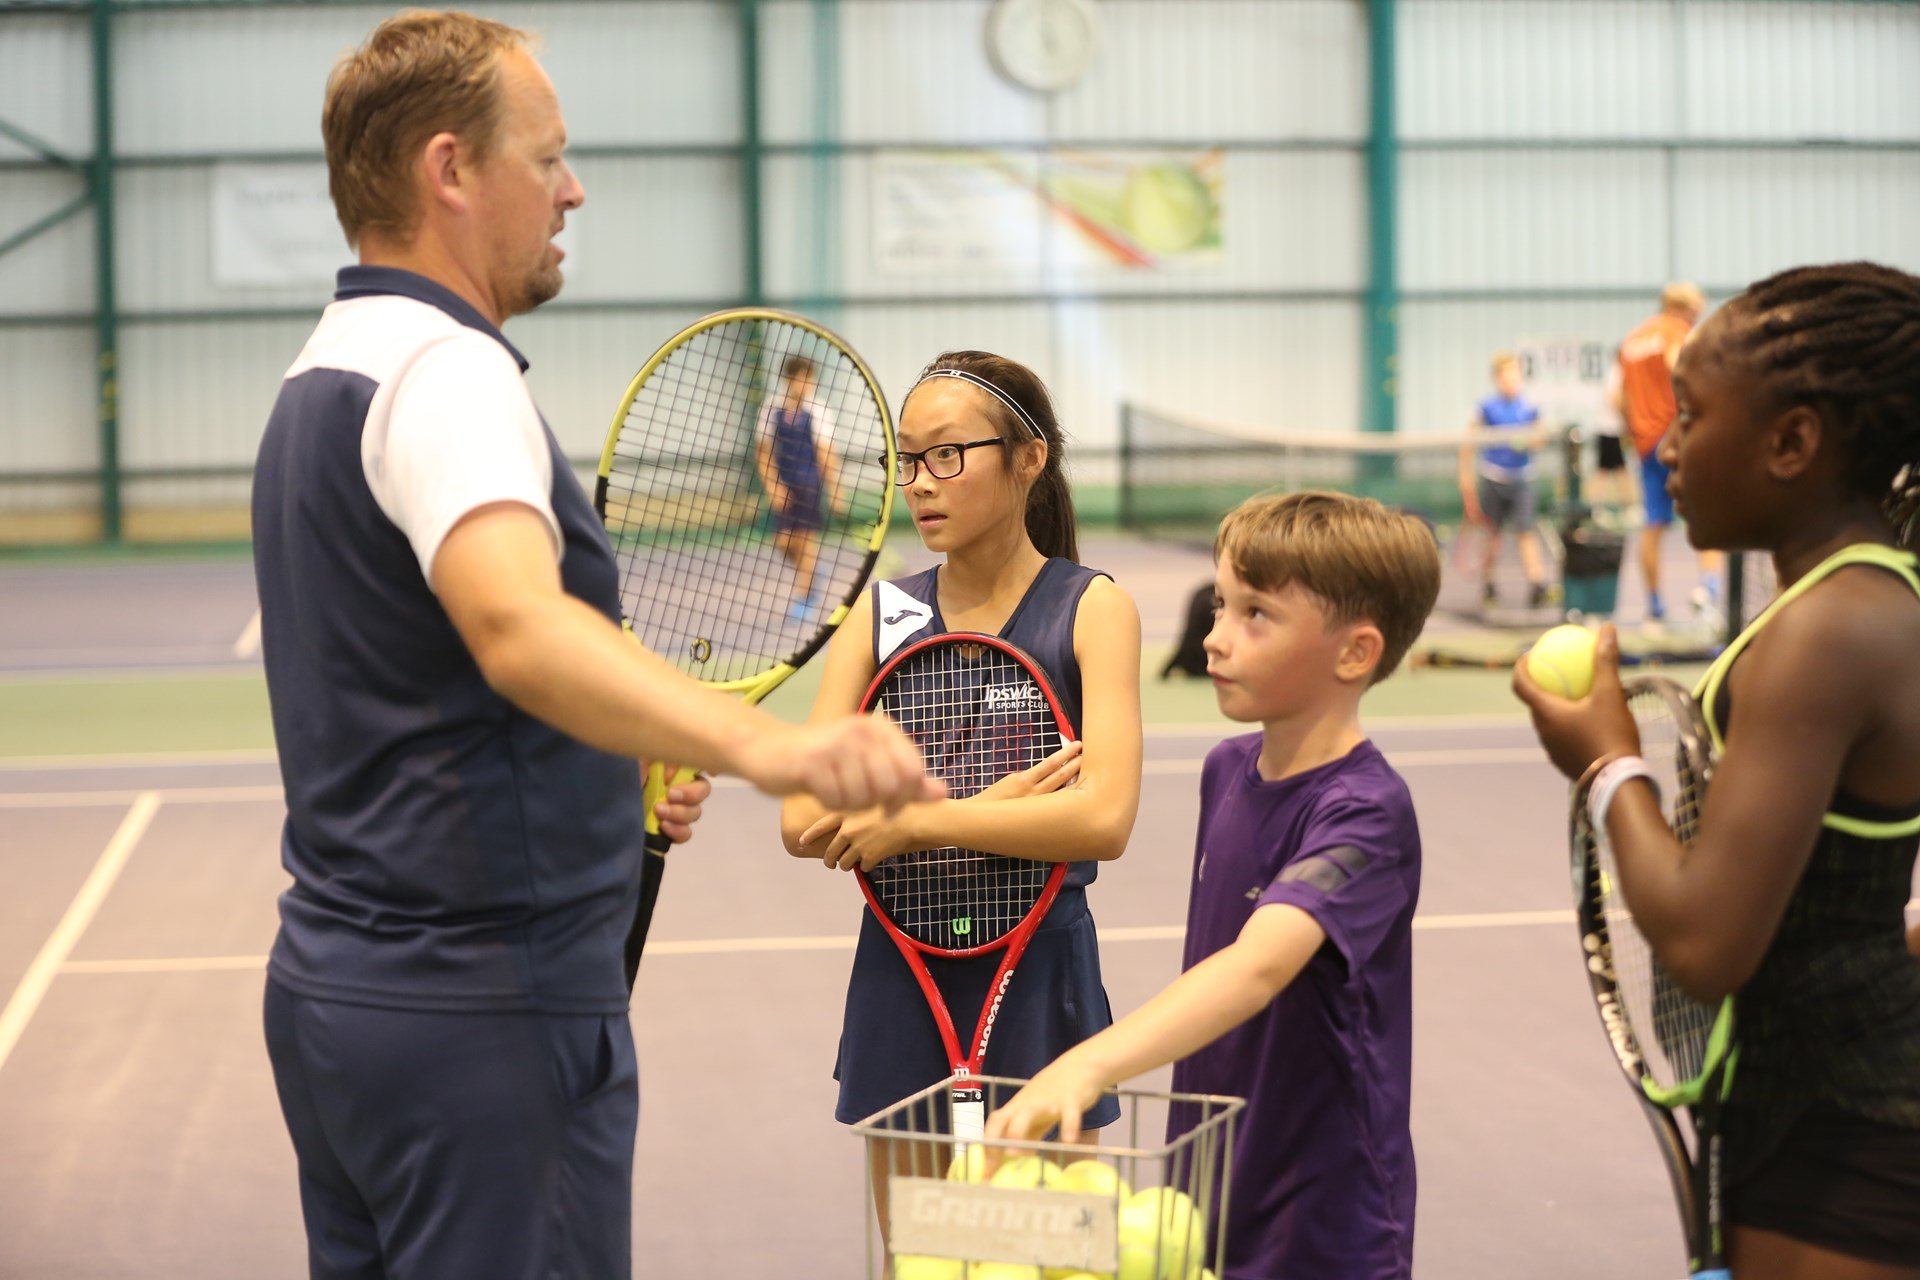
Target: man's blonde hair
column 1682, row 296
column 421, row 72
column 1363, row 561
column 1500, row 360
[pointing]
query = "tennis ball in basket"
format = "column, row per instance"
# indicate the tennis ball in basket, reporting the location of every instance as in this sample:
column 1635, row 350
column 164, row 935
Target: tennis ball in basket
column 1094, row 1178
column 1161, row 1237
column 1002, row 1271
column 1561, row 661
column 969, row 1166
column 1028, row 1171
column 915, row 1267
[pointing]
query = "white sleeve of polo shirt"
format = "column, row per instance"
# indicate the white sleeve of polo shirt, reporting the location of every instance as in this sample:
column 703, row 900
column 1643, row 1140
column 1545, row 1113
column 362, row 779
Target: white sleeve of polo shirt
column 461, row 433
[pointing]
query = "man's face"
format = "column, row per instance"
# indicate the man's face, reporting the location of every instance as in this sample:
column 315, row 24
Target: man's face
column 1508, row 380
column 526, row 188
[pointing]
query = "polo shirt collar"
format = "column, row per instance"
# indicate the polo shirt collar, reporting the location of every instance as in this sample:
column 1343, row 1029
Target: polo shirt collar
column 368, row 282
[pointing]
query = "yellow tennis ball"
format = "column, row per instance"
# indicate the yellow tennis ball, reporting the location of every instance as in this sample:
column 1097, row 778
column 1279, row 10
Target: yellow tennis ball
column 1002, row 1271
column 1027, row 1171
column 916, row 1267
column 970, row 1165
column 1094, row 1178
column 1561, row 661
column 1161, row 1237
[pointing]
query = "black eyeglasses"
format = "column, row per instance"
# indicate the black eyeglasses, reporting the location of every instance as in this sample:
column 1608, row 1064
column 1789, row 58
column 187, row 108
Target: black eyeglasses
column 943, row 461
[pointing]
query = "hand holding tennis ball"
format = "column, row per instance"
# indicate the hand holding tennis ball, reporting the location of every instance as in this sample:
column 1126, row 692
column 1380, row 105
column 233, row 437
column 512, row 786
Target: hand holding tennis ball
column 1561, row 661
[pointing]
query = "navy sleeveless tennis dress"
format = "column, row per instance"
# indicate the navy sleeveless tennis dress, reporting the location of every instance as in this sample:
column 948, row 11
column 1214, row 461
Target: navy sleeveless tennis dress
column 798, row 467
column 889, row 1046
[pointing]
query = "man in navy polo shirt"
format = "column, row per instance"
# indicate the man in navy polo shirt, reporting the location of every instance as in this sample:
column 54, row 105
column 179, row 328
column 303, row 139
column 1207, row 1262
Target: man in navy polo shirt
column 458, row 713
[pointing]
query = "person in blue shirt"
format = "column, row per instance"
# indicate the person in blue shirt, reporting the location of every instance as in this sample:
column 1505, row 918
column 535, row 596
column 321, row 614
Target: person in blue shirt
column 793, row 452
column 1496, row 478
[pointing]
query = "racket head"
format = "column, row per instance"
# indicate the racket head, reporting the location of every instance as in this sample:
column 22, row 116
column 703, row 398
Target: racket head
column 697, row 535
column 979, row 709
column 1670, row 1045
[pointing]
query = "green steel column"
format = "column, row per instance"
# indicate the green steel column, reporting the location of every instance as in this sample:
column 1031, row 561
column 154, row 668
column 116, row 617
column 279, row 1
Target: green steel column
column 106, row 317
column 1381, row 369
column 752, row 266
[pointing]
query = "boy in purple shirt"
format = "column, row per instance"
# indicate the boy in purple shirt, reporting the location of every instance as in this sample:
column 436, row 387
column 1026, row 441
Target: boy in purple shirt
column 1297, row 990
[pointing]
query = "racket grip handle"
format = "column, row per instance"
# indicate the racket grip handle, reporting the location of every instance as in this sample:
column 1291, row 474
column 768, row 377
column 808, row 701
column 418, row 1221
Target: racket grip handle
column 653, row 867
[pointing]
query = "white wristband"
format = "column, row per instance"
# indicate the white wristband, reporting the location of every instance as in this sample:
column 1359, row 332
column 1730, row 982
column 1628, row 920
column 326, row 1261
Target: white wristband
column 1609, row 780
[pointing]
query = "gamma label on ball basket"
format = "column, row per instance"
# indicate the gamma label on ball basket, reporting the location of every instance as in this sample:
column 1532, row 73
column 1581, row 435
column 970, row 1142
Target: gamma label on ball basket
column 1063, row 1229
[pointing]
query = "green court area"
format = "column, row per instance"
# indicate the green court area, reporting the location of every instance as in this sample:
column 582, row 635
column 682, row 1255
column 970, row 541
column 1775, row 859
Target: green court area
column 190, row 713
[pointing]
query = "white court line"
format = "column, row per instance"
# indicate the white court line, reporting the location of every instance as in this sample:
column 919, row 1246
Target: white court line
column 174, row 795
column 139, row 760
column 144, row 661
column 839, row 942
column 269, row 792
column 1224, row 728
column 819, row 942
column 25, row 1001
column 1398, row 759
column 248, row 645
column 186, row 964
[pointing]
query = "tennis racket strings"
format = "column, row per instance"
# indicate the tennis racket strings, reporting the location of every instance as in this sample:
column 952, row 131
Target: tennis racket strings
column 976, row 716
column 704, row 581
column 1675, row 1028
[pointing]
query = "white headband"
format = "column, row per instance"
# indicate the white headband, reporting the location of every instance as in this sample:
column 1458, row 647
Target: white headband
column 987, row 387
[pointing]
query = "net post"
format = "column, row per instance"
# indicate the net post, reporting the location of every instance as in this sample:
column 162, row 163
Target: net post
column 1125, row 496
column 1736, row 594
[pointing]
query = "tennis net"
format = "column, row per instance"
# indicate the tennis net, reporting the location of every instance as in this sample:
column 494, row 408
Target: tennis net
column 1179, row 475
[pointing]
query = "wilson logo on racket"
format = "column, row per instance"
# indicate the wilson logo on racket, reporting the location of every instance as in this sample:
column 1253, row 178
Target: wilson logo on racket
column 961, row 926
column 1014, row 695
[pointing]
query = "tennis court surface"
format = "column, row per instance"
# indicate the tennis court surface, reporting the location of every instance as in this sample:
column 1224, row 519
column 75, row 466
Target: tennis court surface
column 140, row 807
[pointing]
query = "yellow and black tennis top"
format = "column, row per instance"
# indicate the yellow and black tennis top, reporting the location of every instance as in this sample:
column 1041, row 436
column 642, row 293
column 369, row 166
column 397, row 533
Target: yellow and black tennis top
column 1833, row 1012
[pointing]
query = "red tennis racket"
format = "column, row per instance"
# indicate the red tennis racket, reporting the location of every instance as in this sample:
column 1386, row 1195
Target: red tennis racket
column 978, row 709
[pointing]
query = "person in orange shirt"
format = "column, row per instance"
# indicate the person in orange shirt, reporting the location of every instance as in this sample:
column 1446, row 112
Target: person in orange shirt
column 1645, row 400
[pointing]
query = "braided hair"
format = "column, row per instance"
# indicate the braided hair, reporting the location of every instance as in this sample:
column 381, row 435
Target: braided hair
column 1844, row 340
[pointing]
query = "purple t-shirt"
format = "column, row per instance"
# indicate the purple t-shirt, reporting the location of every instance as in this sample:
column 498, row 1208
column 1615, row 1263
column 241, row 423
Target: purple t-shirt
column 1323, row 1172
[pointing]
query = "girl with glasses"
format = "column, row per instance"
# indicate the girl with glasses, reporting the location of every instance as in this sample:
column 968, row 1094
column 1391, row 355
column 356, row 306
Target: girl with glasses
column 981, row 467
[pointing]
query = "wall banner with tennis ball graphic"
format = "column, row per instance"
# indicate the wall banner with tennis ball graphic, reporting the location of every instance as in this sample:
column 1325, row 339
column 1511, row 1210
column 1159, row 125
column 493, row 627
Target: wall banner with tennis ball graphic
column 939, row 212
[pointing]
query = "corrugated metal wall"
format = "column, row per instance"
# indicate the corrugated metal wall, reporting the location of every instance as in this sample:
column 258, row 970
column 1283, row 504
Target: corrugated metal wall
column 1559, row 160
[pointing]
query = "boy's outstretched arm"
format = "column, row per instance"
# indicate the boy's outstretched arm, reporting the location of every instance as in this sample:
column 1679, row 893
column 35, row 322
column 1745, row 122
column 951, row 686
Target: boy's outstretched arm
column 1193, row 1011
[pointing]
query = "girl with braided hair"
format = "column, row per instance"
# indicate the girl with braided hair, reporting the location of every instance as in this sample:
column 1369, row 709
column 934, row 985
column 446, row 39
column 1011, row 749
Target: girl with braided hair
column 1798, row 434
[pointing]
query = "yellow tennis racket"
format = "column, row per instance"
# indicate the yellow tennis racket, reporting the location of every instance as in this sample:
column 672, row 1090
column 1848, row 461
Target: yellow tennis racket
column 746, row 487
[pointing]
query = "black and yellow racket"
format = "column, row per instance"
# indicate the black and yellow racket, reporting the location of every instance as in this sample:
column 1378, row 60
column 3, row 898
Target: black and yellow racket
column 1677, row 1053
column 746, row 487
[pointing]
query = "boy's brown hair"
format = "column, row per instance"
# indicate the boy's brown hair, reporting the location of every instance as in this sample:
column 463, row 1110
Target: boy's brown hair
column 420, row 73
column 1365, row 562
column 1500, row 360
